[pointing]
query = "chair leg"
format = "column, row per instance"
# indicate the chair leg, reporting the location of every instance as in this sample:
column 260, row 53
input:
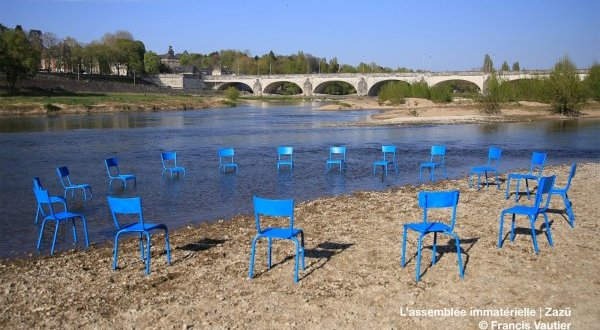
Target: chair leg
column 459, row 255
column 74, row 230
column 142, row 247
column 37, row 214
column 41, row 234
column 507, row 186
column 527, row 188
column 116, row 251
column 433, row 253
column 419, row 242
column 147, row 253
column 54, row 239
column 167, row 246
column 403, row 262
column 297, row 257
column 568, row 208
column 270, row 244
column 534, row 239
column 421, row 174
column 85, row 232
column 251, row 272
column 302, row 246
column 500, row 231
column 445, row 174
column 487, row 184
column 431, row 170
column 548, row 232
column 497, row 181
column 512, row 228
column 478, row 181
column 517, row 190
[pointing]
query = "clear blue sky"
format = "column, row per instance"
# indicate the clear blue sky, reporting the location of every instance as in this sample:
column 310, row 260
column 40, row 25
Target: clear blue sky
column 437, row 35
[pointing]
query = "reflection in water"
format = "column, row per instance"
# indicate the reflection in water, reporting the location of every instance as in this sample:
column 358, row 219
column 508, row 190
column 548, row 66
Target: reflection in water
column 35, row 146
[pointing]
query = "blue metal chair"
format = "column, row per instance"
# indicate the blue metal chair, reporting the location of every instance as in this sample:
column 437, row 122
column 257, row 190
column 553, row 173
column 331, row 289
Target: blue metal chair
column 434, row 200
column 337, row 155
column 562, row 192
column 389, row 158
column 438, row 159
column 65, row 180
column 114, row 162
column 539, row 207
column 169, row 163
column 226, row 160
column 276, row 208
column 134, row 206
column 538, row 159
column 43, row 198
column 37, row 185
column 492, row 166
column 285, row 157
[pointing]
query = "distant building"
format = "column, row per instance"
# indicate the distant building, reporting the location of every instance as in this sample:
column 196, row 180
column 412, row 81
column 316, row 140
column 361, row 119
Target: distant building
column 169, row 59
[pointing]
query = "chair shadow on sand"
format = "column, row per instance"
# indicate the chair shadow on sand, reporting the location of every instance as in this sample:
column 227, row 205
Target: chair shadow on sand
column 449, row 247
column 525, row 229
column 199, row 246
column 324, row 252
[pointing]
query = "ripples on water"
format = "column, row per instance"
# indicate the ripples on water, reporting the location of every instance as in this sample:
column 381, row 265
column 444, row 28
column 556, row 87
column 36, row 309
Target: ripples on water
column 35, row 146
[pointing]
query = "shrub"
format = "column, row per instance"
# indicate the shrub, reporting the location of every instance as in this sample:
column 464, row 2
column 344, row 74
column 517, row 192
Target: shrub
column 51, row 107
column 420, row 89
column 493, row 96
column 568, row 94
column 592, row 82
column 394, row 92
column 441, row 93
column 232, row 93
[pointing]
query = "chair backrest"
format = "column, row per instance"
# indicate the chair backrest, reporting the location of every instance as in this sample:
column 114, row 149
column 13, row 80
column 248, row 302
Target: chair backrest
column 494, row 156
column 571, row 175
column 273, row 207
column 439, row 152
column 391, row 150
column 337, row 151
column 63, row 175
column 112, row 162
column 538, row 160
column 226, row 152
column 285, row 151
column 125, row 206
column 37, row 184
column 42, row 198
column 437, row 200
column 167, row 156
column 544, row 187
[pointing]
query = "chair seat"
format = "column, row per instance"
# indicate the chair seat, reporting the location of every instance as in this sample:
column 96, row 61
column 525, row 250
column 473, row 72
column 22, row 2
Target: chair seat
column 229, row 164
column 126, row 176
column 429, row 227
column 431, row 164
column 382, row 162
column 285, row 162
column 65, row 215
column 560, row 191
column 334, row 161
column 281, row 233
column 57, row 199
column 524, row 210
column 480, row 169
column 137, row 227
column 176, row 169
column 79, row 186
column 523, row 176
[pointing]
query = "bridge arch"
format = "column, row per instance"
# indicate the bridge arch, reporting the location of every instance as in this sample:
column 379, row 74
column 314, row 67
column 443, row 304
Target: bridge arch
column 335, row 87
column 459, row 86
column 376, row 87
column 242, row 87
column 283, row 87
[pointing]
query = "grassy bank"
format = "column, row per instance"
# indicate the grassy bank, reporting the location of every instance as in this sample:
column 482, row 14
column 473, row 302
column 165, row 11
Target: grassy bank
column 44, row 103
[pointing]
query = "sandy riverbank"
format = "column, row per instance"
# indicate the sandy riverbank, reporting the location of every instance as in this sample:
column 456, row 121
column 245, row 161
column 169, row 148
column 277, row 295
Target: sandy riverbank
column 461, row 111
column 353, row 277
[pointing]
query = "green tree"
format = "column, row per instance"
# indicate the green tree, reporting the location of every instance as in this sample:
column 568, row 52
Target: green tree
column 515, row 66
column 17, row 56
column 592, row 81
column 492, row 98
column 488, row 65
column 568, row 94
column 152, row 63
column 232, row 93
column 505, row 67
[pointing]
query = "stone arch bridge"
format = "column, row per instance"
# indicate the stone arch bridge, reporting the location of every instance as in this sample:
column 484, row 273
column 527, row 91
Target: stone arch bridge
column 365, row 84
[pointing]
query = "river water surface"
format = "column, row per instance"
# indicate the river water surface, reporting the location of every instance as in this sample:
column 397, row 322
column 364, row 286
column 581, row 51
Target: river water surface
column 35, row 146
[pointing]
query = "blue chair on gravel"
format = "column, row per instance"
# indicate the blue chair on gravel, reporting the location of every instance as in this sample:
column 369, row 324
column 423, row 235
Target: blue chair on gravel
column 539, row 207
column 133, row 206
column 389, row 158
column 434, row 200
column 276, row 208
column 337, row 155
column 538, row 159
column 562, row 192
column 65, row 180
column 37, row 185
column 285, row 157
column 491, row 167
column 114, row 162
column 226, row 160
column 43, row 198
column 169, row 163
column 438, row 159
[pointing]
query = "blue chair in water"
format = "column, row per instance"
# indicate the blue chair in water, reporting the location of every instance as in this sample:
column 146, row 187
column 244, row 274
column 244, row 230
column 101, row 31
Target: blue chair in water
column 226, row 160
column 337, row 155
column 539, row 207
column 389, row 158
column 65, row 180
column 285, row 157
column 434, row 200
column 37, row 185
column 43, row 198
column 113, row 162
column 133, row 206
column 562, row 192
column 169, row 163
column 538, row 159
column 492, row 167
column 276, row 208
column 438, row 159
